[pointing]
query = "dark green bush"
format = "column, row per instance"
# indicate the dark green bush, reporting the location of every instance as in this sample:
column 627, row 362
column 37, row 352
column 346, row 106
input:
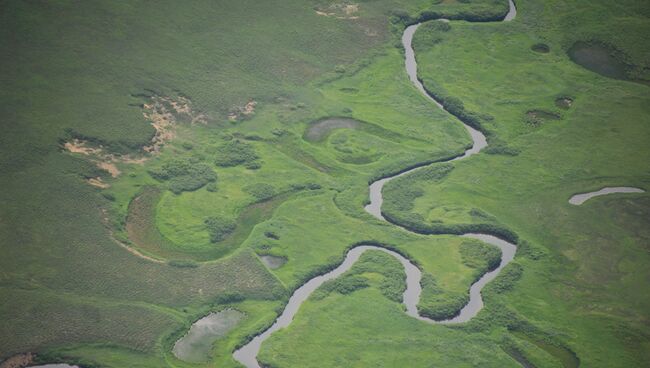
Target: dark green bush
column 454, row 105
column 344, row 285
column 507, row 278
column 271, row 235
column 533, row 121
column 400, row 194
column 534, row 252
column 261, row 191
column 253, row 165
column 235, row 152
column 494, row 149
column 212, row 187
column 229, row 298
column 392, row 285
column 478, row 255
column 437, row 304
column 400, row 16
column 219, row 227
column 184, row 175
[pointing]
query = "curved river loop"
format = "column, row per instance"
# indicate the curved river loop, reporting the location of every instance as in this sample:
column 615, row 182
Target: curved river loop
column 247, row 354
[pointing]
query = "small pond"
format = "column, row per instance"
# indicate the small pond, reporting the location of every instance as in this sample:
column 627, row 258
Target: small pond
column 541, row 48
column 196, row 345
column 581, row 198
column 273, row 262
column 599, row 59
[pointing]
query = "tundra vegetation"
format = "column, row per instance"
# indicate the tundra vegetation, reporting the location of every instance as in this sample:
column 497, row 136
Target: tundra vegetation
column 190, row 121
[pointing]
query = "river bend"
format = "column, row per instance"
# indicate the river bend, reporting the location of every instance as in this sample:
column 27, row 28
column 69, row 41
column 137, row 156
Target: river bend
column 247, row 354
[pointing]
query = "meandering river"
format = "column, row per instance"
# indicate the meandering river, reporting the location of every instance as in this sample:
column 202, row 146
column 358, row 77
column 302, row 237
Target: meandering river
column 247, row 355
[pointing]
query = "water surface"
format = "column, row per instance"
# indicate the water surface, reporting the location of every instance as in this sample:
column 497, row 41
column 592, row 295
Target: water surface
column 273, row 262
column 599, row 59
column 579, row 199
column 196, row 345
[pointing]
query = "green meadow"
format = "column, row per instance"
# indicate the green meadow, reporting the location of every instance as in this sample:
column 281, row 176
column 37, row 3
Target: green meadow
column 151, row 153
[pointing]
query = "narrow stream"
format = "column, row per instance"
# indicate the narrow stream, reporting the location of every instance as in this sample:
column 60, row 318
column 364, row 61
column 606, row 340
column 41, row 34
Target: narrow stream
column 247, row 355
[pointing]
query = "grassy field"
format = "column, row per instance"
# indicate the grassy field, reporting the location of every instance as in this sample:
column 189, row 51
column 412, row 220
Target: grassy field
column 371, row 328
column 151, row 152
column 587, row 288
column 59, row 236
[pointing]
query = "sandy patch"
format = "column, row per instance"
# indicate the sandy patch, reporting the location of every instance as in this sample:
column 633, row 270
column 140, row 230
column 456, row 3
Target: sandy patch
column 564, row 102
column 99, row 157
column 133, row 160
column 80, row 146
column 164, row 114
column 351, row 9
column 239, row 112
column 339, row 11
column 97, row 182
column 163, row 122
column 110, row 167
column 18, row 361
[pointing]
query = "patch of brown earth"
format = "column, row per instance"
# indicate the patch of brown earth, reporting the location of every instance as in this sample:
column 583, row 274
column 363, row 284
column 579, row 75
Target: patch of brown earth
column 564, row 102
column 239, row 112
column 97, row 182
column 104, row 161
column 164, row 114
column 339, row 11
column 536, row 118
column 80, row 146
column 163, row 122
column 110, row 167
column 18, row 361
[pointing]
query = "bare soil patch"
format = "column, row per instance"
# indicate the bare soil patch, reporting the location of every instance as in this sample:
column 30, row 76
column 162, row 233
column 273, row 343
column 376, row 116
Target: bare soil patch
column 164, row 114
column 242, row 112
column 538, row 117
column 97, row 182
column 564, row 102
column 339, row 10
column 18, row 361
column 110, row 167
column 80, row 146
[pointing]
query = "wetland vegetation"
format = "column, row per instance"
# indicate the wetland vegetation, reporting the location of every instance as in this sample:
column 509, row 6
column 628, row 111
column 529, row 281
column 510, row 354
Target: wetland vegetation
column 163, row 165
